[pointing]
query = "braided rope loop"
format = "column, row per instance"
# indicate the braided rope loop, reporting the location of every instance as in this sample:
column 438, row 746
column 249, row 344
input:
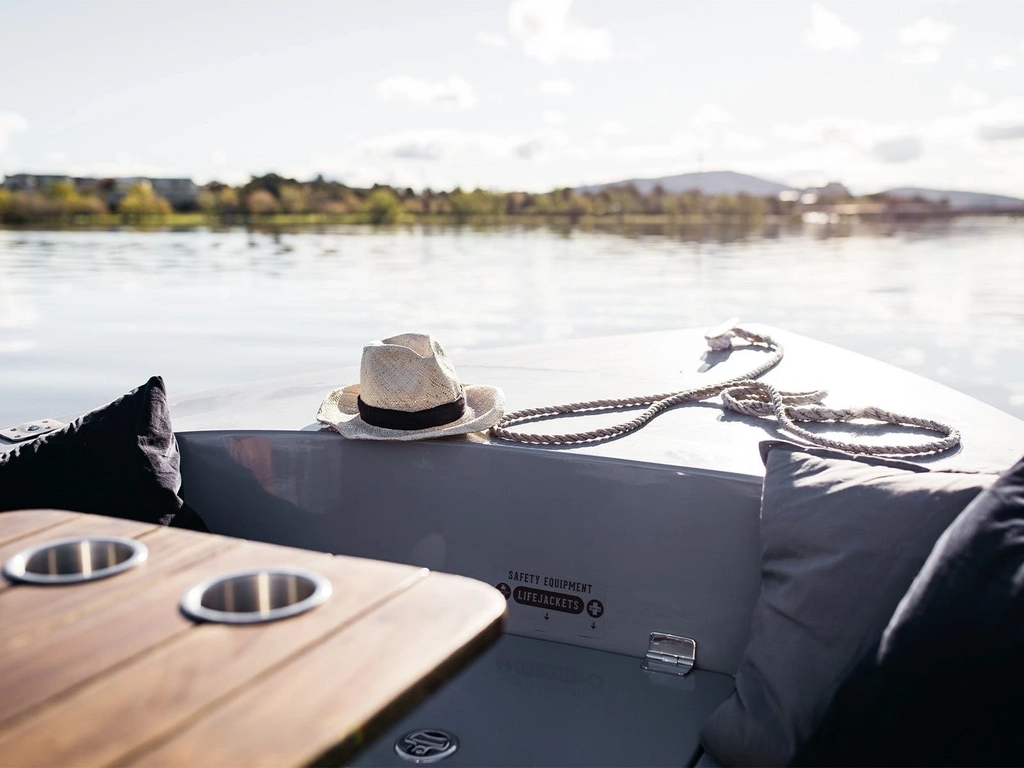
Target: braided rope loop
column 742, row 394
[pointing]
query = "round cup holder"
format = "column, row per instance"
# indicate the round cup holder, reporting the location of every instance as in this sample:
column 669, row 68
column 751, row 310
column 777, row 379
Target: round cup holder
column 255, row 596
column 75, row 560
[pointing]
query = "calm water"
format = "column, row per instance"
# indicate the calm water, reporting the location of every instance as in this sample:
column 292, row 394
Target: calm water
column 85, row 316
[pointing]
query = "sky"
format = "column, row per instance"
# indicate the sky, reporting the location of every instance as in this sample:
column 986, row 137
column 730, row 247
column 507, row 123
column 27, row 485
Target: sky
column 525, row 95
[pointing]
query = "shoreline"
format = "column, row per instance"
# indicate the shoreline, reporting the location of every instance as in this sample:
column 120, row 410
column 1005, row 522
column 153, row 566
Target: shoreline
column 197, row 220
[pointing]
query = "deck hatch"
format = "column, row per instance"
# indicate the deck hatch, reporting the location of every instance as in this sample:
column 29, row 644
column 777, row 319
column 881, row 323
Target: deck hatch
column 30, row 430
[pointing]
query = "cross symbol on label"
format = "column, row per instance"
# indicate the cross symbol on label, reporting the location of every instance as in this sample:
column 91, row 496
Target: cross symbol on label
column 595, row 608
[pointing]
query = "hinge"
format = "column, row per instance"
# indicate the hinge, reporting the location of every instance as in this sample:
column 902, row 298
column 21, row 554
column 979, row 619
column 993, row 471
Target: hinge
column 30, row 430
column 670, row 653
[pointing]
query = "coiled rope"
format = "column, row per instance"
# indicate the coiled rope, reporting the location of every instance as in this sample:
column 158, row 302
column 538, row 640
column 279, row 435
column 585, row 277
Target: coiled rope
column 742, row 394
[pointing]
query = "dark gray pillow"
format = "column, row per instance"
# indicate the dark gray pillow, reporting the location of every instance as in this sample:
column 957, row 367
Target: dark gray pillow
column 120, row 460
column 842, row 538
column 944, row 684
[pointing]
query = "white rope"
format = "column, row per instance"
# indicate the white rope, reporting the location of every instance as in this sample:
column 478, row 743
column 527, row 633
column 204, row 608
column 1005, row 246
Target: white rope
column 741, row 394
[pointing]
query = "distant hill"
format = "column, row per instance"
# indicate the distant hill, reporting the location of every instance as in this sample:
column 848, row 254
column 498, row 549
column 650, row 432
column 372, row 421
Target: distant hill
column 710, row 183
column 958, row 200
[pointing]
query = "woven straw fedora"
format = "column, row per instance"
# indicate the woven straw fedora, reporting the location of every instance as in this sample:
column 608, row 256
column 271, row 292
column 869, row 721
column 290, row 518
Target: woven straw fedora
column 408, row 390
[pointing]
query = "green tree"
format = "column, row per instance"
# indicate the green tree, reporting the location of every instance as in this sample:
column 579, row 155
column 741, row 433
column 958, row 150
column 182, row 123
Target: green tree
column 692, row 202
column 63, row 191
column 90, row 205
column 294, row 198
column 141, row 200
column 383, row 206
column 479, row 202
column 207, row 201
column 725, row 206
column 577, row 206
column 227, row 200
column 260, row 201
column 751, row 207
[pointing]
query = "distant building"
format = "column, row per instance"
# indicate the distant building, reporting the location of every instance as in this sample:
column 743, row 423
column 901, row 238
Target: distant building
column 181, row 193
column 29, row 182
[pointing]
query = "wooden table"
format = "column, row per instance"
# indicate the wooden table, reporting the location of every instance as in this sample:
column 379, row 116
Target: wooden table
column 110, row 672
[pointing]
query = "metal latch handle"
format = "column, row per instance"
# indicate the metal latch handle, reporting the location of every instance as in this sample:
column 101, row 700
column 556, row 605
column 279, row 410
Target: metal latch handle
column 670, row 653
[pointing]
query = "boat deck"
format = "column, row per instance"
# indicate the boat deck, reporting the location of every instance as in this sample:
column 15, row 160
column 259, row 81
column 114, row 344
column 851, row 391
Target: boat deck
column 697, row 436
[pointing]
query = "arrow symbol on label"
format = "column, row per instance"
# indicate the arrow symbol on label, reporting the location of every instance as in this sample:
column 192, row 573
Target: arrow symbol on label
column 546, row 617
column 593, row 625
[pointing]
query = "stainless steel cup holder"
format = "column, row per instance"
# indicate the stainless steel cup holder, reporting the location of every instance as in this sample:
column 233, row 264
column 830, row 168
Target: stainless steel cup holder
column 75, row 560
column 251, row 597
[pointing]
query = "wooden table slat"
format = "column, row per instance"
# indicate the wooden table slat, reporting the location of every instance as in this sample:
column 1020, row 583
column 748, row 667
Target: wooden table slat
column 42, row 609
column 95, row 643
column 149, row 694
column 345, row 684
column 76, row 525
column 21, row 523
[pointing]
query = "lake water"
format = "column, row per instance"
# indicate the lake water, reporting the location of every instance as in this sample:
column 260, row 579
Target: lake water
column 87, row 315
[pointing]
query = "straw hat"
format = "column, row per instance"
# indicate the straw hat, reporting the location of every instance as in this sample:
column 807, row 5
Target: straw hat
column 408, row 390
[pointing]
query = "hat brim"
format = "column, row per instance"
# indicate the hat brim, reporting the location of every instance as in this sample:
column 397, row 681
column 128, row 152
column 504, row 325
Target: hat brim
column 484, row 408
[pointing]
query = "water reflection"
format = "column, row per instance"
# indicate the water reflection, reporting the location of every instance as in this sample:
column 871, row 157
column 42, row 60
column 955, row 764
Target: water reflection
column 85, row 315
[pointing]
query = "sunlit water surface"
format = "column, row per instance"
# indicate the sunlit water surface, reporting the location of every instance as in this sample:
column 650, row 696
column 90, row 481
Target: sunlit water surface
column 86, row 316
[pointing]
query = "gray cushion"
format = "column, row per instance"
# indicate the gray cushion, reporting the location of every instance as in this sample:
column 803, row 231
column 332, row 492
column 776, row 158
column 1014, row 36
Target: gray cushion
column 943, row 686
column 842, row 538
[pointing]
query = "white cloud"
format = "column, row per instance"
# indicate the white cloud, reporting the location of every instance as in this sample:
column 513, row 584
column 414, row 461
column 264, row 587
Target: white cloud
column 362, row 174
column 123, row 166
column 826, row 130
column 1001, row 61
column 56, row 158
column 10, row 124
column 884, row 142
column 986, row 144
column 708, row 116
column 554, row 117
column 439, row 144
column 964, row 96
column 927, row 32
column 219, row 158
column 556, row 88
column 682, row 145
column 1002, row 132
column 532, row 149
column 919, row 57
column 900, row 149
column 1002, row 124
column 982, row 147
column 740, row 142
column 975, row 129
column 418, row 145
column 828, row 32
column 612, row 128
column 547, row 34
column 491, row 39
column 538, row 146
column 452, row 93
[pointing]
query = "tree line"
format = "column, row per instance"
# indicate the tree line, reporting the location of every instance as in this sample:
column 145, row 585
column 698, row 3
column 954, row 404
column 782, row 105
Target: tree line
column 274, row 196
column 62, row 200
column 382, row 204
